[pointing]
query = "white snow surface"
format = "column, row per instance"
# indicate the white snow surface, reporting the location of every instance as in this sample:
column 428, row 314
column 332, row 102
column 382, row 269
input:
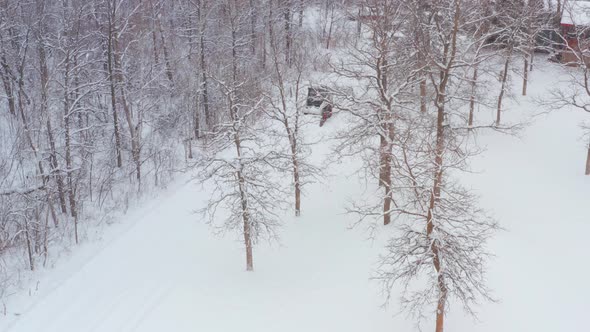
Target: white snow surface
column 161, row 269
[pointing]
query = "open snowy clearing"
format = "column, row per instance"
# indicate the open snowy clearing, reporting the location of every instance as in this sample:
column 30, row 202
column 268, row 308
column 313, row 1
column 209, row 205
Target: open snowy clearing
column 166, row 272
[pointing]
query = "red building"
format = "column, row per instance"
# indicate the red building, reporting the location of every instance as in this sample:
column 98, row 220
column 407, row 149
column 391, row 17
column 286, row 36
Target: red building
column 575, row 25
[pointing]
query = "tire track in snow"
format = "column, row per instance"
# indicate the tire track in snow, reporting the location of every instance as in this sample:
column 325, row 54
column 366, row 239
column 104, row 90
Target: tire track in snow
column 134, row 220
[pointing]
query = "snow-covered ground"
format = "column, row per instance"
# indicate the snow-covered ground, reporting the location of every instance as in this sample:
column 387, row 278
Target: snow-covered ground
column 162, row 270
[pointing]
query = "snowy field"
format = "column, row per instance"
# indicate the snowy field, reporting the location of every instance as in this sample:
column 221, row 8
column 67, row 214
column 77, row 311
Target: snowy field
column 160, row 269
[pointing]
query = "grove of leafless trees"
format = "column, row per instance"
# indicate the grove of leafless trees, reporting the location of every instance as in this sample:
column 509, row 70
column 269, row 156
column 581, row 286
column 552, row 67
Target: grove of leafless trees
column 103, row 99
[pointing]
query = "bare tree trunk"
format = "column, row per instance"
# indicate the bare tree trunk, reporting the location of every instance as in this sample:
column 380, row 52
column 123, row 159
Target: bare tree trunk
column 438, row 174
column 111, row 72
column 295, row 161
column 205, row 91
column 291, row 130
column 21, row 108
column 154, row 37
column 525, row 77
column 441, row 305
column 359, row 23
column 45, row 238
column 503, row 85
column 134, row 133
column 55, row 167
column 246, row 218
column 189, row 143
column 384, row 117
column 83, row 136
column 233, row 109
column 588, row 162
column 7, row 82
column 301, row 11
column 243, row 194
column 387, row 131
column 71, row 196
column 422, row 41
column 9, row 95
column 434, row 197
column 388, row 199
column 203, row 65
column 472, row 97
column 270, row 23
column 155, row 48
column 297, row 187
column 242, row 189
column 382, row 157
column 288, row 37
column 29, row 245
column 165, row 51
column 45, row 111
column 385, row 160
column 329, row 39
column 51, row 208
column 197, row 120
column 245, row 214
column 423, row 95
column 252, row 27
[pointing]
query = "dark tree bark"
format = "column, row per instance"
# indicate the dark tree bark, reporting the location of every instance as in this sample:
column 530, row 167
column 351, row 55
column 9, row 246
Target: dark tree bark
column 167, row 63
column 504, row 80
column 472, row 97
column 68, row 139
column 6, row 76
column 203, row 64
column 44, row 73
column 111, row 76
column 288, row 33
column 525, row 78
column 439, row 151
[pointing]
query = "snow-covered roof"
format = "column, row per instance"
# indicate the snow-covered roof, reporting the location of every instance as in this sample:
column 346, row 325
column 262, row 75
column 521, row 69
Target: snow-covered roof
column 576, row 13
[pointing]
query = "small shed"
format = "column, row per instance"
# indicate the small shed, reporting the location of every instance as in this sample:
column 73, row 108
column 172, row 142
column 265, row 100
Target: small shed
column 575, row 26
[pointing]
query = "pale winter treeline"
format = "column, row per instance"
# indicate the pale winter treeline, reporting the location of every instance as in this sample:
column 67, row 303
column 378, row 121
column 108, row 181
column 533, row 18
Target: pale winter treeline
column 103, row 99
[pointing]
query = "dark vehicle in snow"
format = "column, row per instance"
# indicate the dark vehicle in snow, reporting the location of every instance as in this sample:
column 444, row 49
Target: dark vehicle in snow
column 316, row 96
column 319, row 103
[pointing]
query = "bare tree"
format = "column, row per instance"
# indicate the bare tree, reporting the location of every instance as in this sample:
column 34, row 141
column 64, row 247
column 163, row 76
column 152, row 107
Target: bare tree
column 237, row 161
column 443, row 232
column 284, row 108
column 111, row 67
column 383, row 68
column 517, row 24
column 243, row 184
column 71, row 71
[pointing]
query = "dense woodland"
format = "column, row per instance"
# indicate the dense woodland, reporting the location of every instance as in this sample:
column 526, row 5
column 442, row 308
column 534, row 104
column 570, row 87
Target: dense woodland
column 103, row 100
